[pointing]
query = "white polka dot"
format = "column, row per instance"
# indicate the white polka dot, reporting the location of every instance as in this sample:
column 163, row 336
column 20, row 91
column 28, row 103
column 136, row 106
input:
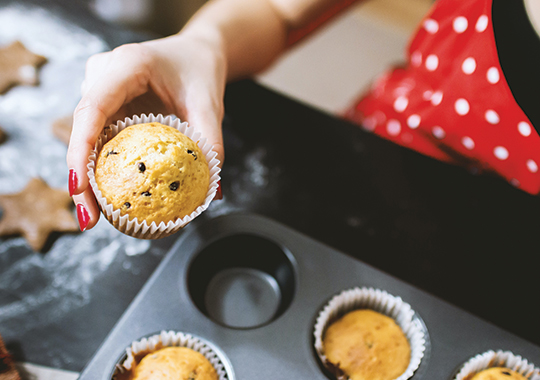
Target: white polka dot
column 427, row 95
column 492, row 117
column 514, row 182
column 432, row 62
column 401, row 103
column 462, row 107
column 524, row 128
column 431, row 26
column 500, row 152
column 532, row 166
column 413, row 121
column 416, row 59
column 436, row 98
column 438, row 132
column 460, row 24
column 468, row 142
column 482, row 23
column 468, row 66
column 493, row 75
column 393, row 127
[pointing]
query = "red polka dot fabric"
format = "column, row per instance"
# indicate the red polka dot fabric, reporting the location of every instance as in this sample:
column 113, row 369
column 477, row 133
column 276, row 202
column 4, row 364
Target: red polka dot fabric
column 451, row 100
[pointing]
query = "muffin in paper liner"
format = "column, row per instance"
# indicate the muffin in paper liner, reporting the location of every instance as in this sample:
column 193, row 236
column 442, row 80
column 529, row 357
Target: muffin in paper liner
column 133, row 227
column 505, row 359
column 138, row 349
column 381, row 302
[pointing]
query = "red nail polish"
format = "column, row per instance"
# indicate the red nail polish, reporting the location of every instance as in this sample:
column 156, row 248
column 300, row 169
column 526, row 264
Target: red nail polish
column 82, row 216
column 73, row 182
column 218, row 195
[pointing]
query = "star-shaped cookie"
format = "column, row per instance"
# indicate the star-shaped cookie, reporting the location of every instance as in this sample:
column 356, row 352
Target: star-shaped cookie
column 18, row 65
column 35, row 212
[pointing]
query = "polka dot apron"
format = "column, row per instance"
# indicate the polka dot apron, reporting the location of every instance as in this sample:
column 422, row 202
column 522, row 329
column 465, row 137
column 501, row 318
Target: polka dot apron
column 451, row 100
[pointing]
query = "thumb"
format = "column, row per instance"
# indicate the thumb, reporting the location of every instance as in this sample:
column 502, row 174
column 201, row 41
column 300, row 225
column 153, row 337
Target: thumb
column 207, row 117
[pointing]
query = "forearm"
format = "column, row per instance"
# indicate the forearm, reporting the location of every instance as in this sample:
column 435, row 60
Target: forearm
column 252, row 33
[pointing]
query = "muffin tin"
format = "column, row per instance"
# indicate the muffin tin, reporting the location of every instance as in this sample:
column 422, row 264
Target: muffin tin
column 253, row 288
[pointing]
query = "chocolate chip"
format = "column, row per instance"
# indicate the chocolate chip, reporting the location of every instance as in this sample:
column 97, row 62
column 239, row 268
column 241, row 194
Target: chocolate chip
column 111, row 152
column 189, row 151
column 142, row 167
column 146, row 193
column 127, row 205
column 506, row 373
column 174, row 186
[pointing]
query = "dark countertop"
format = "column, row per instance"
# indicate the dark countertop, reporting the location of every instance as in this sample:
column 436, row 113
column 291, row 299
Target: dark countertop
column 470, row 240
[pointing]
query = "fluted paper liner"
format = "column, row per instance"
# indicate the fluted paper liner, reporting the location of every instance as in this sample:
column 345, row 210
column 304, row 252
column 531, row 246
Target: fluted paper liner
column 490, row 359
column 164, row 339
column 133, row 227
column 379, row 301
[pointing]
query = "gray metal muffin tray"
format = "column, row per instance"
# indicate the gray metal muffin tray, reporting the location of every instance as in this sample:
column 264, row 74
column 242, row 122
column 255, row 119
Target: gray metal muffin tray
column 253, row 288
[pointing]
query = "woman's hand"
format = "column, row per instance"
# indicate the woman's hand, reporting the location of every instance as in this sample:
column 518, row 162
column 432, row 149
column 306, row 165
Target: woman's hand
column 180, row 75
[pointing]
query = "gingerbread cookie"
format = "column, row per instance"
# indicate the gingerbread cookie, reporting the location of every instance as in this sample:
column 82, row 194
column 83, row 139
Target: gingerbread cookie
column 18, row 65
column 35, row 212
column 61, row 128
column 7, row 366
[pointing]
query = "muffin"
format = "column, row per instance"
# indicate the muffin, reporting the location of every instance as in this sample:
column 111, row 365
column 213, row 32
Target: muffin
column 152, row 172
column 497, row 365
column 498, row 373
column 157, row 181
column 172, row 355
column 367, row 345
column 369, row 334
column 174, row 363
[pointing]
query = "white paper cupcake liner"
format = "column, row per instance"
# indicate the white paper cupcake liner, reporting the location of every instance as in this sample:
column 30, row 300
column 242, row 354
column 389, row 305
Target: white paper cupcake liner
column 498, row 358
column 179, row 339
column 379, row 301
column 133, row 227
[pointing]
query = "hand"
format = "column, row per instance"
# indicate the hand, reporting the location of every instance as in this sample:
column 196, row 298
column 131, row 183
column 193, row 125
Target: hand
column 180, row 75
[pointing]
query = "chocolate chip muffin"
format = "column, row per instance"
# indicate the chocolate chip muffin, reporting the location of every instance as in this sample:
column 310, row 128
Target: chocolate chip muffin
column 152, row 172
column 497, row 373
column 174, row 363
column 366, row 345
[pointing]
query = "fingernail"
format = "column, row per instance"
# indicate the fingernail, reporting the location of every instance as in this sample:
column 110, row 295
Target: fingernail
column 219, row 194
column 73, row 182
column 82, row 216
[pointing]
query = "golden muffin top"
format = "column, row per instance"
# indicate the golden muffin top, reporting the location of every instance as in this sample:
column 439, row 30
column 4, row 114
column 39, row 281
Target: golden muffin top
column 367, row 345
column 152, row 172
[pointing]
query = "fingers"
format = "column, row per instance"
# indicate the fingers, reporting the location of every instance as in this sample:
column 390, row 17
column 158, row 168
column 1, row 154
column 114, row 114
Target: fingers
column 204, row 111
column 122, row 78
column 210, row 127
column 87, row 209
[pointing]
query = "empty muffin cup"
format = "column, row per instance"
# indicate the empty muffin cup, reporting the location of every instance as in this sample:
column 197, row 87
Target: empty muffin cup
column 147, row 345
column 242, row 281
column 142, row 229
column 494, row 359
column 378, row 301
